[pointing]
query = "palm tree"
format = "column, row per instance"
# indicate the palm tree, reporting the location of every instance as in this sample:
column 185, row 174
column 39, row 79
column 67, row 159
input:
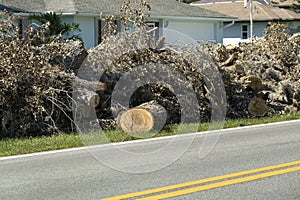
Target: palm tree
column 55, row 24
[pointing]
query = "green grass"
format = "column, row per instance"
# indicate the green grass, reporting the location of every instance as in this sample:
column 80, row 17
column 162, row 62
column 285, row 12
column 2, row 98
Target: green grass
column 261, row 120
column 10, row 147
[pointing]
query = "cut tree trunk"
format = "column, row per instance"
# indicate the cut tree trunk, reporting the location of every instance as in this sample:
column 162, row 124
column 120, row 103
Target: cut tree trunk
column 89, row 98
column 254, row 83
column 258, row 107
column 92, row 85
column 148, row 116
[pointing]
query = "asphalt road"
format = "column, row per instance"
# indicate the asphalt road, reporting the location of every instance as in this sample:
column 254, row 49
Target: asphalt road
column 78, row 175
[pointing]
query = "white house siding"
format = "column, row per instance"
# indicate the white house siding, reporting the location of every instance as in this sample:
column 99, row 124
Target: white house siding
column 197, row 30
column 258, row 30
column 235, row 30
column 219, row 31
column 70, row 20
column 87, row 26
column 194, row 29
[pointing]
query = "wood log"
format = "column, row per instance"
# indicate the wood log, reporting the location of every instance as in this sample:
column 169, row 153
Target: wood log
column 231, row 47
column 85, row 112
column 88, row 97
column 254, row 83
column 230, row 60
column 91, row 85
column 143, row 118
column 257, row 107
column 263, row 95
column 236, row 68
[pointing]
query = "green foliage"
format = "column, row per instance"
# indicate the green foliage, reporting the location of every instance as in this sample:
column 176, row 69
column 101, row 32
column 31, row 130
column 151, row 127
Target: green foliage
column 55, row 25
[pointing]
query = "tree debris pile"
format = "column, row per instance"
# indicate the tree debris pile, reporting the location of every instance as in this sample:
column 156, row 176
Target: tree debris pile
column 36, row 75
column 137, row 68
column 261, row 77
column 144, row 73
column 38, row 72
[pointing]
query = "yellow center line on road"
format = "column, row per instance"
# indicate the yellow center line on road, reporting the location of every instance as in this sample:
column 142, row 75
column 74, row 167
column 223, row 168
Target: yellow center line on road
column 192, row 183
column 222, row 184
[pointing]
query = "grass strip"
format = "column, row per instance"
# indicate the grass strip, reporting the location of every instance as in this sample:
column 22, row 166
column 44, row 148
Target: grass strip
column 9, row 147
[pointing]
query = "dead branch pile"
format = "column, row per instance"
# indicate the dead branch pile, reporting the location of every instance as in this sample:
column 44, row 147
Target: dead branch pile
column 143, row 74
column 137, row 68
column 261, row 77
column 36, row 75
column 158, row 87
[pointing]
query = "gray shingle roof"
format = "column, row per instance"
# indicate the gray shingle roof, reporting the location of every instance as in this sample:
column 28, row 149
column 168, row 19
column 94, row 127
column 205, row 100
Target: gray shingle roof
column 159, row 7
column 10, row 9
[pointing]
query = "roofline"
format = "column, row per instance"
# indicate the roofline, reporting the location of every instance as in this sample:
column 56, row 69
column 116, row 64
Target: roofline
column 151, row 16
column 173, row 17
column 194, row 18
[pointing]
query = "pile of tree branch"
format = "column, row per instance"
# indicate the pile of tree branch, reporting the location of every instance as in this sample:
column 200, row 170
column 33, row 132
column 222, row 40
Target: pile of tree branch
column 36, row 75
column 262, row 76
column 142, row 82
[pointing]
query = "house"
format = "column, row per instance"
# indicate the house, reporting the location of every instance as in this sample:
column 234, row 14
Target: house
column 197, row 23
column 239, row 30
column 287, row 4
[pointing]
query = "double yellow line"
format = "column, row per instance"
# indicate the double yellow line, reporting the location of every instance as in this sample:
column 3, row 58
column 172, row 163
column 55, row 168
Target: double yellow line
column 192, row 187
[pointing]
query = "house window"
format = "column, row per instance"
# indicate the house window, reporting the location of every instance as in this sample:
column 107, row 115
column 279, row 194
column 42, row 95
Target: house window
column 100, row 25
column 244, row 31
column 21, row 28
column 99, row 29
column 152, row 25
column 23, row 24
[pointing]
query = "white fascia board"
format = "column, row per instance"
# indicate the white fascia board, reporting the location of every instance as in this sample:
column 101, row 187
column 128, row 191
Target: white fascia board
column 23, row 14
column 160, row 17
column 151, row 17
column 82, row 14
column 193, row 18
column 64, row 13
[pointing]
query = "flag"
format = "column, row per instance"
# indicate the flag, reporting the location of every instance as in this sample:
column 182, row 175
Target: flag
column 246, row 3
